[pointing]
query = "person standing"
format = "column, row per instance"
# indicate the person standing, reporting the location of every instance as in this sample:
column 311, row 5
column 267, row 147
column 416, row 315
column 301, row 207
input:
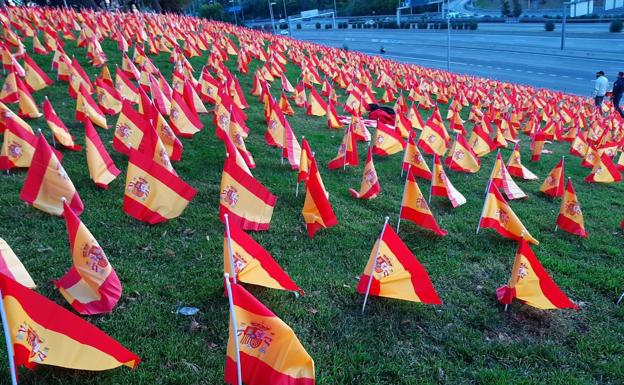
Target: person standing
column 618, row 90
column 600, row 89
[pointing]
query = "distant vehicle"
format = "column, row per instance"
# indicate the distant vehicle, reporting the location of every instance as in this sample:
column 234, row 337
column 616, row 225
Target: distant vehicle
column 369, row 22
column 282, row 21
column 453, row 15
column 284, row 32
column 386, row 19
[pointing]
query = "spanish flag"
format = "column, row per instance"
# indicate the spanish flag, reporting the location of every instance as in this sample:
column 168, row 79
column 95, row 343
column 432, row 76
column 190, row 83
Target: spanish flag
column 126, row 89
column 393, row 271
column 570, row 217
column 251, row 262
column 47, row 183
column 102, row 170
column 91, row 286
column 129, row 130
column 414, row 161
column 315, row 105
column 498, row 215
column 12, row 267
column 414, row 118
column 43, row 333
column 87, row 109
column 516, row 168
column 183, row 121
column 27, row 106
column 58, row 128
column 554, row 183
column 35, row 78
column 369, row 188
column 317, row 211
column 332, row 116
column 387, row 141
column 18, row 146
column 500, row 178
column 604, row 171
column 248, row 203
column 108, row 98
column 537, row 145
column 441, row 186
column 462, row 157
column 8, row 93
column 414, row 207
column 305, row 161
column 480, row 140
column 153, row 194
column 531, row 284
column 434, row 139
column 347, row 152
column 270, row 352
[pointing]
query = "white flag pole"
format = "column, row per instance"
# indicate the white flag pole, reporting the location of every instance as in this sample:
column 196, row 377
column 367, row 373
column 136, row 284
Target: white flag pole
column 487, row 192
column 344, row 159
column 372, row 273
column 234, row 328
column 403, row 198
column 620, row 300
column 229, row 243
column 297, row 188
column 405, row 153
column 9, row 343
column 432, row 178
column 562, row 167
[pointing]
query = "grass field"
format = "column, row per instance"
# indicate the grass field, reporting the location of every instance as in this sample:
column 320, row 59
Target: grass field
column 468, row 340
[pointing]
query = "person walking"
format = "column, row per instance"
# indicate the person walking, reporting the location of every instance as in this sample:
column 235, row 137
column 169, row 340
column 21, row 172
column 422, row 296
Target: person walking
column 600, row 88
column 618, row 91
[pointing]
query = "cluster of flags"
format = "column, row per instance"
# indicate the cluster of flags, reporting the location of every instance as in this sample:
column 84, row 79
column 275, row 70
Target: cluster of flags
column 152, row 114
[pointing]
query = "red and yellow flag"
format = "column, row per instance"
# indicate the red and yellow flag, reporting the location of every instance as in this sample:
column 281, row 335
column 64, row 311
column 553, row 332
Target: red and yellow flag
column 87, row 109
column 317, row 211
column 47, row 183
column 35, row 78
column 27, row 106
column 516, row 168
column 248, row 203
column 270, row 352
column 531, row 284
column 414, row 207
column 369, row 188
column 537, row 145
column 129, row 130
column 315, row 105
column 102, row 170
column 183, row 121
column 434, row 139
column 153, row 194
column 414, row 161
column 500, row 178
column 604, row 171
column 18, row 146
column 347, row 152
column 91, row 286
column 498, row 215
column 12, row 267
column 554, row 183
column 396, row 273
column 480, row 140
column 570, row 217
column 43, row 333
column 462, row 157
column 441, row 186
column 252, row 263
column 58, row 128
column 387, row 141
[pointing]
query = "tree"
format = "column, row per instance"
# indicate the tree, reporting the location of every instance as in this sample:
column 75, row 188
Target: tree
column 517, row 8
column 212, row 11
column 505, row 8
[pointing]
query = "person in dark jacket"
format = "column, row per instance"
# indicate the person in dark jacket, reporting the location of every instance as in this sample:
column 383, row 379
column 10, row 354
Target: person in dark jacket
column 618, row 90
column 382, row 114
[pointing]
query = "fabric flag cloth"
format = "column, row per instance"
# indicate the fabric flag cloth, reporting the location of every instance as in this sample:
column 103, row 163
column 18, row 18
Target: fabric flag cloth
column 153, row 194
column 434, row 138
column 387, row 141
column 516, row 168
column 462, row 157
column 47, row 182
column 317, row 211
column 604, row 171
column 397, row 273
column 554, row 183
column 184, row 121
column 270, row 352
column 441, row 186
column 252, row 263
column 414, row 207
column 369, row 188
column 18, row 147
column 86, row 109
column 414, row 161
column 500, row 178
column 570, row 217
column 58, row 128
column 531, row 284
column 537, row 146
column 102, row 170
column 347, row 152
column 498, row 215
column 248, row 203
column 91, row 286
column 43, row 333
column 27, row 106
column 12, row 267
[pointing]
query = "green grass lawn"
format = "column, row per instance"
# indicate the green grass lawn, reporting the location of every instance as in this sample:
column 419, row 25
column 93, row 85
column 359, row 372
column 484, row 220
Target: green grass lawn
column 468, row 340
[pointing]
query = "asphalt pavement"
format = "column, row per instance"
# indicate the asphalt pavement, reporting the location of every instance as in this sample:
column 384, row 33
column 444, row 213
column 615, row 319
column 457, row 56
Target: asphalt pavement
column 523, row 55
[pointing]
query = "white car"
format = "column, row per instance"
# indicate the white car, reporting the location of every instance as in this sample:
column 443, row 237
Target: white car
column 284, row 32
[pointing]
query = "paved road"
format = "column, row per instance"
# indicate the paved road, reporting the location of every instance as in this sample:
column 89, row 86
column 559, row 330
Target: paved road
column 530, row 58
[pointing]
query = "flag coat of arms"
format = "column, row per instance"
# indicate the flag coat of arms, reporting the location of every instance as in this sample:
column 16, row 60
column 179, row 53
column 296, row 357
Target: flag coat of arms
column 570, row 217
column 369, row 188
column 270, row 352
column 397, row 273
column 91, row 286
column 43, row 333
column 414, row 207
